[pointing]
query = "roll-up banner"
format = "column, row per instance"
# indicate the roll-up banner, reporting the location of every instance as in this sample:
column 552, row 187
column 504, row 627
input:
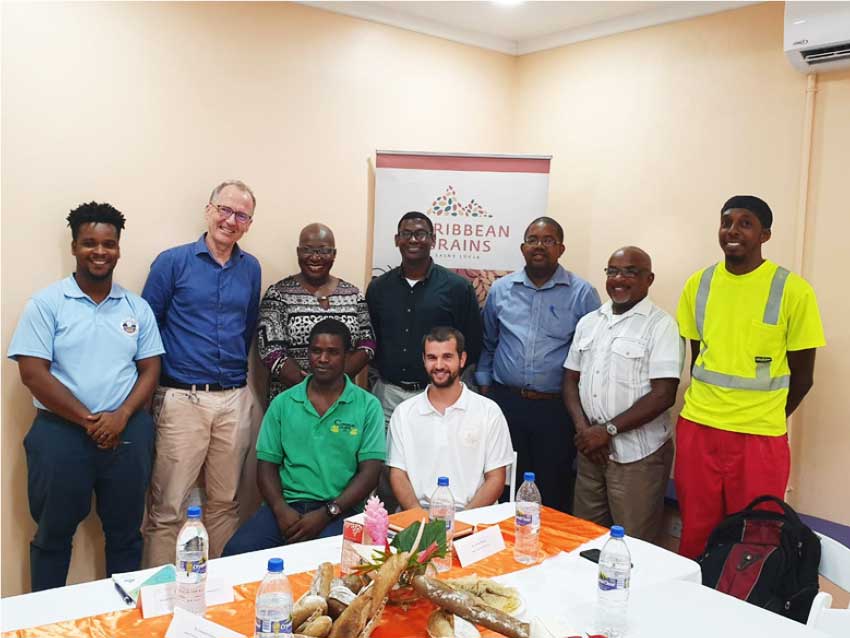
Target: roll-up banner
column 480, row 206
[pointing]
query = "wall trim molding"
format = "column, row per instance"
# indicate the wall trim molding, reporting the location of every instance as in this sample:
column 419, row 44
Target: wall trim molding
column 378, row 12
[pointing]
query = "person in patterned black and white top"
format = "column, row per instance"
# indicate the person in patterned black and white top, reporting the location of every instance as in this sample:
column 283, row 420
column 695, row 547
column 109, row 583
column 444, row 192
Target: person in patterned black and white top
column 621, row 377
column 292, row 306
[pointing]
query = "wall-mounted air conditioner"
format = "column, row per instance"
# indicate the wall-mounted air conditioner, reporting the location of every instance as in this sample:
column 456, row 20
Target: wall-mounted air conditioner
column 817, row 35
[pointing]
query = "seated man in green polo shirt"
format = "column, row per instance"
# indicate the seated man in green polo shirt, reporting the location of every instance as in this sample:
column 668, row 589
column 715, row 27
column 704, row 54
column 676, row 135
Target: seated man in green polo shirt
column 320, row 451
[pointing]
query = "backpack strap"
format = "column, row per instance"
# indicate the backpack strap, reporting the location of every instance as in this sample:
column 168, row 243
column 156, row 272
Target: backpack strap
column 787, row 509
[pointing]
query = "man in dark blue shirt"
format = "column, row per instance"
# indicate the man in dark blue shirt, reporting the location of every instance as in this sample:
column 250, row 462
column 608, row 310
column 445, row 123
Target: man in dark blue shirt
column 205, row 296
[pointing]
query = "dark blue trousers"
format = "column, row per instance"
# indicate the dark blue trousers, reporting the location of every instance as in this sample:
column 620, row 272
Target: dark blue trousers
column 261, row 530
column 64, row 468
column 543, row 436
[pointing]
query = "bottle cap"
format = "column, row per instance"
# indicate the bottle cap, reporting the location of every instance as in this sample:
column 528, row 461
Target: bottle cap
column 443, row 481
column 194, row 512
column 276, row 565
column 528, row 476
column 617, row 531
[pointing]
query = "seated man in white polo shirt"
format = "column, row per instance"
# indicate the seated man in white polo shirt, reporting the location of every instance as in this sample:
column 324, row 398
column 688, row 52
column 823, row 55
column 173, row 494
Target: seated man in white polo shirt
column 448, row 430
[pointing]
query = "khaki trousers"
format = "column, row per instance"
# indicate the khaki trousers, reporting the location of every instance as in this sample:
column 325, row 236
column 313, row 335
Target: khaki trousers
column 627, row 494
column 198, row 434
column 390, row 396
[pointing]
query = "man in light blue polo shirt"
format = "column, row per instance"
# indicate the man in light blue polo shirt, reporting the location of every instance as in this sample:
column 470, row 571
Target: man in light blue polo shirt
column 88, row 350
column 529, row 320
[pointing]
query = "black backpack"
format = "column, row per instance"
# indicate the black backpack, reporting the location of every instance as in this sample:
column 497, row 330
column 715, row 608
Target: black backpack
column 767, row 558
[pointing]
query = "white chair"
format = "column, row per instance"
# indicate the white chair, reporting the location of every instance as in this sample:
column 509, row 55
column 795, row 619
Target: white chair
column 834, row 566
column 510, row 479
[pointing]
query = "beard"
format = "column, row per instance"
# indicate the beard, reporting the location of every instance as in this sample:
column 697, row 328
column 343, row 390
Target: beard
column 447, row 382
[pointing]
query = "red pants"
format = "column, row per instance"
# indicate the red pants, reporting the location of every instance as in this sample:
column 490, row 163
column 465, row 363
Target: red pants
column 719, row 472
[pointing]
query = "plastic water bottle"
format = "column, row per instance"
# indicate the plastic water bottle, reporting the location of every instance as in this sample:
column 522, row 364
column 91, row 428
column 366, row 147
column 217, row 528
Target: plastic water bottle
column 192, row 554
column 274, row 604
column 527, row 521
column 442, row 508
column 615, row 568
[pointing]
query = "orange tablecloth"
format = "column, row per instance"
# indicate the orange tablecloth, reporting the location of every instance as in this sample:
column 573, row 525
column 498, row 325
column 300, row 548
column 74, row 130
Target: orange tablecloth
column 560, row 532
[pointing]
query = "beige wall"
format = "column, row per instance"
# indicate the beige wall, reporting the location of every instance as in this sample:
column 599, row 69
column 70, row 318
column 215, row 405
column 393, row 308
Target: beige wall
column 653, row 130
column 148, row 105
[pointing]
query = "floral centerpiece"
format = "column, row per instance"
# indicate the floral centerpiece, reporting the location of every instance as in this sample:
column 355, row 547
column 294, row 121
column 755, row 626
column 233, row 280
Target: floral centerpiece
column 430, row 535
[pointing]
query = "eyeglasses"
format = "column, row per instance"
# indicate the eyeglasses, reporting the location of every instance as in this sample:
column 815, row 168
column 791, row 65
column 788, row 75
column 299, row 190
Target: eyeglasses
column 224, row 212
column 418, row 235
column 627, row 273
column 545, row 241
column 324, row 251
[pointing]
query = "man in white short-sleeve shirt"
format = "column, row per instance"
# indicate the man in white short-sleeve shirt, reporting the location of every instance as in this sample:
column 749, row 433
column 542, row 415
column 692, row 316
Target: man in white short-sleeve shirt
column 621, row 377
column 448, row 430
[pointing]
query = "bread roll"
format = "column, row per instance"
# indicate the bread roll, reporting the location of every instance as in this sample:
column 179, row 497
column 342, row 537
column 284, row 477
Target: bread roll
column 319, row 627
column 307, row 606
column 441, row 624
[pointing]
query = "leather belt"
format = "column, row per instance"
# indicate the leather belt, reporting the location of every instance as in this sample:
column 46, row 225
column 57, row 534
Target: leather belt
column 532, row 395
column 168, row 382
column 410, row 386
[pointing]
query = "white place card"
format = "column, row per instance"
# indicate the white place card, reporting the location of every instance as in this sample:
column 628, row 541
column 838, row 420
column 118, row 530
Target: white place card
column 481, row 545
column 188, row 625
column 158, row 600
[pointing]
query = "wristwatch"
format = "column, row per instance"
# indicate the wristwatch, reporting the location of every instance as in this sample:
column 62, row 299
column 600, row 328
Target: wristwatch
column 611, row 429
column 333, row 509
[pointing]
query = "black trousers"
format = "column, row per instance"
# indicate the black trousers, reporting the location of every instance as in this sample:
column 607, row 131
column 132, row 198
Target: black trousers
column 542, row 434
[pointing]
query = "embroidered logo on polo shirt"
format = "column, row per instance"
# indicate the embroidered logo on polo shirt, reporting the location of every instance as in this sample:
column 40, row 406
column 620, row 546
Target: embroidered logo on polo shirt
column 348, row 428
column 130, row 325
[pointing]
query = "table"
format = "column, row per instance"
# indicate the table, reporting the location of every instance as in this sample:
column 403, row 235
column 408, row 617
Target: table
column 94, row 610
column 698, row 612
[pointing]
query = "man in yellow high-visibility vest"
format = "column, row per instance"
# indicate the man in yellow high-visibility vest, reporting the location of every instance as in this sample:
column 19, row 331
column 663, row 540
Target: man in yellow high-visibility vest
column 753, row 328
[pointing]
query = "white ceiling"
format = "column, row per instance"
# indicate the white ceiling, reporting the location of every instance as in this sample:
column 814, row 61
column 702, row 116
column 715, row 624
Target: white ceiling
column 524, row 27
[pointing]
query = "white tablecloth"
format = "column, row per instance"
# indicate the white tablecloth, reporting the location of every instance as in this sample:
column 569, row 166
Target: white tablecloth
column 666, row 597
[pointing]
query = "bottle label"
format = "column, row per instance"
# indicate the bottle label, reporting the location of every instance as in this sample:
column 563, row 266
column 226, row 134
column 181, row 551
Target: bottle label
column 190, row 567
column 608, row 582
column 524, row 518
column 274, row 627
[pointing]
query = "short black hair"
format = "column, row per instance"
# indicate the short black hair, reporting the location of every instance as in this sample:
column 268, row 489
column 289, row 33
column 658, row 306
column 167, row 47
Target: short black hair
column 755, row 205
column 332, row 327
column 415, row 214
column 548, row 220
column 94, row 213
column 441, row 334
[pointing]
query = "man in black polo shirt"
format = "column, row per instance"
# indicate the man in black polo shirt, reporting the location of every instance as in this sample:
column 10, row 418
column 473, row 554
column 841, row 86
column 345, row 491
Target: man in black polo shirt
column 405, row 304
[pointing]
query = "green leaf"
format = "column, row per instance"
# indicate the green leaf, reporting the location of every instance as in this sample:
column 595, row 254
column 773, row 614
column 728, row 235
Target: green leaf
column 435, row 532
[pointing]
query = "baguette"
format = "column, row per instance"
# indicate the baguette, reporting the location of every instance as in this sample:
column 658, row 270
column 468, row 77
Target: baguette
column 463, row 604
column 322, row 580
column 354, row 618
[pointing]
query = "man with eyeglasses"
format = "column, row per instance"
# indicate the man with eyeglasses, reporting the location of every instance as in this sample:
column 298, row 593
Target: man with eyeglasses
column 621, row 377
column 404, row 305
column 529, row 320
column 205, row 296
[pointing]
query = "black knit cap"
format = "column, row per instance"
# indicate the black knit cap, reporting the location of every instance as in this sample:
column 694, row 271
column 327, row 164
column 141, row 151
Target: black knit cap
column 755, row 205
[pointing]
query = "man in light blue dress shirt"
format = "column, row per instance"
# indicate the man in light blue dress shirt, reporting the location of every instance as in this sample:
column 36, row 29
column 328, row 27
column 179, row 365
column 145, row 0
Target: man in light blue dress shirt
column 529, row 320
column 88, row 350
